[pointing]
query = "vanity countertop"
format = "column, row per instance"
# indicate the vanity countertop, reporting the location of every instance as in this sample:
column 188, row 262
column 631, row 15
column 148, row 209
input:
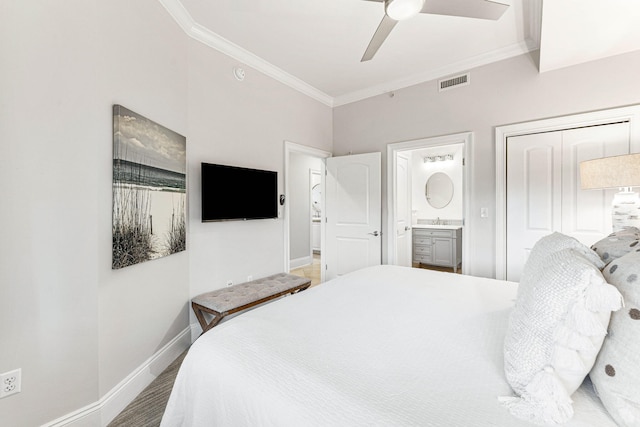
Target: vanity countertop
column 437, row 227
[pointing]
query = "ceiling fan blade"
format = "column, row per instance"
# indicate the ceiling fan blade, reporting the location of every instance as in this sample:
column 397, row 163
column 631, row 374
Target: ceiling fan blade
column 482, row 9
column 385, row 27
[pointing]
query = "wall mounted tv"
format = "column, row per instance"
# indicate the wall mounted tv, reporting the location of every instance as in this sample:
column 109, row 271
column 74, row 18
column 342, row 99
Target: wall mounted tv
column 235, row 193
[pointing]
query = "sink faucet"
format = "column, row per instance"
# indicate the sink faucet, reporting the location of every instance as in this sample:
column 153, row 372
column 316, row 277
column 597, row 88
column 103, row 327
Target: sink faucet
column 437, row 221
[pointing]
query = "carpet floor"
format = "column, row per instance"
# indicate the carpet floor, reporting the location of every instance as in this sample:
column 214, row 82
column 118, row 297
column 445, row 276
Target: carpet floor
column 147, row 408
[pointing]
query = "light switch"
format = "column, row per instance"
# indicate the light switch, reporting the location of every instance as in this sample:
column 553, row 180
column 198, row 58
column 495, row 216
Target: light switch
column 484, row 213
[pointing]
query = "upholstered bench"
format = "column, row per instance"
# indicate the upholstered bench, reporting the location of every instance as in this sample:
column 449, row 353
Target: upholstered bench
column 229, row 300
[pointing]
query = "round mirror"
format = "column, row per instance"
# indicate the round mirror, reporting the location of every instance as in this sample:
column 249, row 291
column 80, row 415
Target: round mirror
column 439, row 190
column 315, row 199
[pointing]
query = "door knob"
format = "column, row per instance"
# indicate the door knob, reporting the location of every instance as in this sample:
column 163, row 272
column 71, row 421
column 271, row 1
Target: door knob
column 407, row 228
column 375, row 233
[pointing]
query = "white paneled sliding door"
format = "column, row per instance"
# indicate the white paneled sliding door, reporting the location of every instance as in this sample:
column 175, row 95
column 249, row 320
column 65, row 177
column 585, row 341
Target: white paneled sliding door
column 543, row 188
column 533, row 194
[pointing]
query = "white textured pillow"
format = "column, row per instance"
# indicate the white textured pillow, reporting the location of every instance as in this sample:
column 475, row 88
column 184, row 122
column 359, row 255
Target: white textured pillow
column 616, row 373
column 555, row 329
column 555, row 242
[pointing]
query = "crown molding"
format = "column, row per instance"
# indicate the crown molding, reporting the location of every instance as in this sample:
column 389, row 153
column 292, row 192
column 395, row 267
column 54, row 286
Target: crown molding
column 531, row 43
column 202, row 34
column 454, row 68
column 535, row 22
column 179, row 13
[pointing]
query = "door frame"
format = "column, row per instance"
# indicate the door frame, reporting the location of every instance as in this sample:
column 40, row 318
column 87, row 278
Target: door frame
column 630, row 114
column 313, row 172
column 292, row 147
column 407, row 156
column 465, row 138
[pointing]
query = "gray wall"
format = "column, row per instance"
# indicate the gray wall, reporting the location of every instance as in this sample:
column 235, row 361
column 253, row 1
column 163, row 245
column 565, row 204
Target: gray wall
column 505, row 92
column 300, row 204
column 74, row 326
column 244, row 124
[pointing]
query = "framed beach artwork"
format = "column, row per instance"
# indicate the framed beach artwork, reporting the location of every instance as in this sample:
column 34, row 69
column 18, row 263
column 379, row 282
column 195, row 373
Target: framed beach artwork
column 149, row 189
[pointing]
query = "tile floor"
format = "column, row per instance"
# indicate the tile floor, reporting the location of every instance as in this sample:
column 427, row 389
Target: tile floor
column 310, row 271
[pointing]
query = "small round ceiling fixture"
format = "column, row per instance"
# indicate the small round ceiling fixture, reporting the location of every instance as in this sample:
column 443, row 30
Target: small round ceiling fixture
column 238, row 73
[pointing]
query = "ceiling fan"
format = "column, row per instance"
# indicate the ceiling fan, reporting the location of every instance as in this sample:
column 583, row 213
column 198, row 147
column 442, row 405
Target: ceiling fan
column 399, row 10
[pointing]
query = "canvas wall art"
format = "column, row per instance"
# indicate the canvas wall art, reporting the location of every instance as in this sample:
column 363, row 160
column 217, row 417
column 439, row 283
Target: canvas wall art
column 149, row 189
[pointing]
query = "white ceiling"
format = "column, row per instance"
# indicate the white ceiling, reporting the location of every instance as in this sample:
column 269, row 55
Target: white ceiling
column 315, row 46
column 577, row 31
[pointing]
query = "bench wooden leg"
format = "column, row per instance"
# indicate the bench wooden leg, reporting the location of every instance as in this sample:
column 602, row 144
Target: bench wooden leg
column 217, row 317
column 295, row 291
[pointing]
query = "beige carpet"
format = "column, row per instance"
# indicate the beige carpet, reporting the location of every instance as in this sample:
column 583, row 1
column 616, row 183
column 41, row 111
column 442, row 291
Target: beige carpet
column 147, row 408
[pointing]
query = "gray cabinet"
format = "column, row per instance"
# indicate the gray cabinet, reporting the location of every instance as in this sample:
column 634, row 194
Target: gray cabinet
column 438, row 246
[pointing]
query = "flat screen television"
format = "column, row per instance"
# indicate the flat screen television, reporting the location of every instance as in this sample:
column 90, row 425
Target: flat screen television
column 235, row 193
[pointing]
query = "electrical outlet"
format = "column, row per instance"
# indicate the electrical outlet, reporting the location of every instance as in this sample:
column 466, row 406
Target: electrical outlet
column 10, row 383
column 229, row 282
column 249, row 278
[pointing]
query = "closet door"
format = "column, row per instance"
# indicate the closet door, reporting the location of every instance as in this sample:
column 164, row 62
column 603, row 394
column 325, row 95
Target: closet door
column 543, row 188
column 534, row 198
column 586, row 214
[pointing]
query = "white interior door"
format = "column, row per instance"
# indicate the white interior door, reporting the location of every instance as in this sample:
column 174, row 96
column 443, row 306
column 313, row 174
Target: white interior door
column 353, row 213
column 543, row 188
column 403, row 210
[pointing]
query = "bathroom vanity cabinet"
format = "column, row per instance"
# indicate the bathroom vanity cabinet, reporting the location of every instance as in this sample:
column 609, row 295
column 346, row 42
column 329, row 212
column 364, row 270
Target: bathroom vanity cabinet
column 439, row 245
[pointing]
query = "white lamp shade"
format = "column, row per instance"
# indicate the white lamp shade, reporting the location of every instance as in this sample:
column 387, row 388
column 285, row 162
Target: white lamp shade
column 402, row 9
column 611, row 172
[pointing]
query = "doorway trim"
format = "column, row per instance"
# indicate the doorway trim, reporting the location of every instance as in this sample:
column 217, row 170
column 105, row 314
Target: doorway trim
column 465, row 138
column 629, row 114
column 313, row 173
column 292, row 147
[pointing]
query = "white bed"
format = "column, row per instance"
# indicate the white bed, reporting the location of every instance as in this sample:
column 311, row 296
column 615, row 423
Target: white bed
column 383, row 346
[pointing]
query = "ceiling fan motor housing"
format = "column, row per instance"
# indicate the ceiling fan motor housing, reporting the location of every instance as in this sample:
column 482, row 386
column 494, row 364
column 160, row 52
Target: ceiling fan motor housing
column 402, row 9
column 398, row 10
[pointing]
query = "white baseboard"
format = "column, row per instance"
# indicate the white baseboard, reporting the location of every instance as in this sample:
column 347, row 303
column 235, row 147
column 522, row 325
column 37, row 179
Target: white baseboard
column 196, row 330
column 300, row 262
column 102, row 412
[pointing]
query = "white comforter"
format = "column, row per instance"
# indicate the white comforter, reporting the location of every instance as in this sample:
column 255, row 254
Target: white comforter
column 383, row 346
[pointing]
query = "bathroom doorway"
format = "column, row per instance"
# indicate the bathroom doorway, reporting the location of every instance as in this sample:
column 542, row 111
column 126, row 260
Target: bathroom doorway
column 427, row 201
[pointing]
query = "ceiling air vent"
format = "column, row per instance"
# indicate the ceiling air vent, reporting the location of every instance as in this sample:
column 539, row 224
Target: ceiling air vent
column 457, row 81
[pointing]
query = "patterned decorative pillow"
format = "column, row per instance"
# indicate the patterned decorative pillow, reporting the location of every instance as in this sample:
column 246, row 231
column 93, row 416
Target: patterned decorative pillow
column 617, row 244
column 627, row 231
column 616, row 373
column 555, row 329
